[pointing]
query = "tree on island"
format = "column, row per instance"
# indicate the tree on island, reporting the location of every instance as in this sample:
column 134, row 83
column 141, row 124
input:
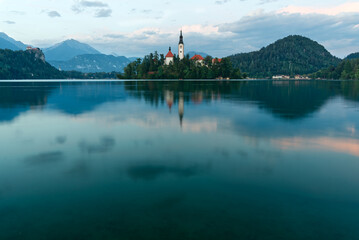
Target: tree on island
column 153, row 66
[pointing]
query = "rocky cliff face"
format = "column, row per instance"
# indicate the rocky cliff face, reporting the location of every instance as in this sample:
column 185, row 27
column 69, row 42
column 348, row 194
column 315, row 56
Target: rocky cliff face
column 39, row 55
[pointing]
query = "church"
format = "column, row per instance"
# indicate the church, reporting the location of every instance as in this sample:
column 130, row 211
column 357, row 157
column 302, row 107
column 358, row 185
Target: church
column 170, row 56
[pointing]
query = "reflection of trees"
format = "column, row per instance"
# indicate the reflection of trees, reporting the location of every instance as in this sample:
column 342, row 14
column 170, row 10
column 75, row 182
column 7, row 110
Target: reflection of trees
column 16, row 98
column 288, row 99
column 23, row 95
column 350, row 90
column 285, row 99
column 154, row 92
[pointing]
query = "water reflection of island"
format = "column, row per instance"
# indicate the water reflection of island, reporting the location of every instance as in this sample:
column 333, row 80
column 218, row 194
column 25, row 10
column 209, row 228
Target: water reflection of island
column 289, row 100
column 196, row 98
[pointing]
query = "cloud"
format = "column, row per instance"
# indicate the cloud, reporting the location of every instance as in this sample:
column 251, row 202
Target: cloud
column 102, row 13
column 101, row 9
column 9, row 22
column 262, row 2
column 220, row 2
column 45, row 158
column 114, row 36
column 149, row 172
column 105, row 145
column 348, row 146
column 18, row 12
column 146, row 40
column 61, row 139
column 53, row 14
column 351, row 7
column 93, row 4
column 336, row 32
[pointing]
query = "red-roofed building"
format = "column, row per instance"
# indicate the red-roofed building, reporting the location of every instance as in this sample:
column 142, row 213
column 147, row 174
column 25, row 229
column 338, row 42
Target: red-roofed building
column 169, row 57
column 216, row 60
column 198, row 58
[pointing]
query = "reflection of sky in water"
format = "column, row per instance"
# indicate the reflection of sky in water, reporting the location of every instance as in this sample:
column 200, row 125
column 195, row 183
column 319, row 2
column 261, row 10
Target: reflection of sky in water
column 174, row 148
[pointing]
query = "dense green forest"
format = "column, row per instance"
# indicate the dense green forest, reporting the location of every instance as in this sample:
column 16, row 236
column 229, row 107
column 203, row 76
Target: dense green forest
column 152, row 67
column 352, row 56
column 289, row 56
column 25, row 65
column 32, row 65
column 347, row 69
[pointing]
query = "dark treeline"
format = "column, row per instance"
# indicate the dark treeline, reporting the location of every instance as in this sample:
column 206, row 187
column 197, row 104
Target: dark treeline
column 98, row 75
column 352, row 56
column 153, row 67
column 347, row 69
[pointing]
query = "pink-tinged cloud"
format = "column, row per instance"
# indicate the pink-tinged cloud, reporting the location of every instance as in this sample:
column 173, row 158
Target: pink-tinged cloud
column 348, row 146
column 350, row 7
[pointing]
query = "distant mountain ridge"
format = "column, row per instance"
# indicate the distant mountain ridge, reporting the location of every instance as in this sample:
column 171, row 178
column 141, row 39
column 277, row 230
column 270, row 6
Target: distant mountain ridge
column 67, row 50
column 72, row 55
column 8, row 45
column 290, row 56
column 7, row 42
column 93, row 63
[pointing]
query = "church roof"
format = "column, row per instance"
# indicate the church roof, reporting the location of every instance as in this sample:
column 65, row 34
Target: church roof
column 169, row 54
column 197, row 57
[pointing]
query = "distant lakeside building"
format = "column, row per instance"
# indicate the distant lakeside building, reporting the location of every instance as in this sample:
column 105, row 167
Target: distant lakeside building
column 283, row 77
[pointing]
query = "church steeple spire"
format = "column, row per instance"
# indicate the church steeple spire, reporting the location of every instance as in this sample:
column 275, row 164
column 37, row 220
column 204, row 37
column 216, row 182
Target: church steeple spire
column 181, row 47
column 181, row 38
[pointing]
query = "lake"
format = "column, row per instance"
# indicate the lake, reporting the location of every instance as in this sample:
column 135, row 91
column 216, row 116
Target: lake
column 179, row 160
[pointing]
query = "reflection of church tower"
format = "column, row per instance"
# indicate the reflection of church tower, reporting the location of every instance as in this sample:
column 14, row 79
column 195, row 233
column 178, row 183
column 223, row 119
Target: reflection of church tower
column 169, row 99
column 181, row 47
column 181, row 107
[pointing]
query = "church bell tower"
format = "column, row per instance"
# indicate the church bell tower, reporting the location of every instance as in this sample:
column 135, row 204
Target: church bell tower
column 181, row 47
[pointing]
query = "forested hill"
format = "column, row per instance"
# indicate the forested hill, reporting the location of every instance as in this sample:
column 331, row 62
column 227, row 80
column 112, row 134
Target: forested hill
column 26, row 65
column 353, row 56
column 347, row 69
column 289, row 56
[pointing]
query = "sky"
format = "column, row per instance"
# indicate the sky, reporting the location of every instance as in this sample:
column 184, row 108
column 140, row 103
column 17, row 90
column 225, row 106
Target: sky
column 220, row 28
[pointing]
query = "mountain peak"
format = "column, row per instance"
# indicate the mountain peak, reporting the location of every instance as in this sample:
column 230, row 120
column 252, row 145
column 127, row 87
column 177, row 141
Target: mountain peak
column 68, row 49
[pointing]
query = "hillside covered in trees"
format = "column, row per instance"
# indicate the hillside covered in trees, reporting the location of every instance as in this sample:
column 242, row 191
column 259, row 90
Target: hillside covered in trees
column 26, row 65
column 352, row 56
column 31, row 64
column 153, row 67
column 346, row 70
column 289, row 56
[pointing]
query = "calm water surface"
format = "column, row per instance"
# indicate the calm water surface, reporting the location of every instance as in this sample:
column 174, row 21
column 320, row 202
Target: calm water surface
column 179, row 160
